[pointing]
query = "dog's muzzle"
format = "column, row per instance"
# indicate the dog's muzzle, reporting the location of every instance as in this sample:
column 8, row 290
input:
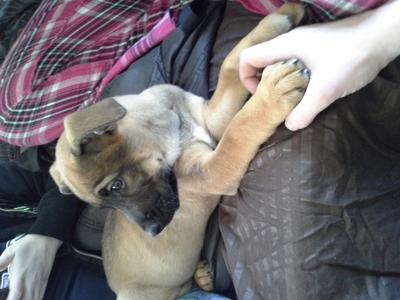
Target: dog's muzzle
column 161, row 212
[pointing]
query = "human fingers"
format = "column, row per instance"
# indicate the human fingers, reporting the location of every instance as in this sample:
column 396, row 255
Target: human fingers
column 314, row 101
column 41, row 291
column 260, row 56
column 15, row 288
column 6, row 258
column 35, row 284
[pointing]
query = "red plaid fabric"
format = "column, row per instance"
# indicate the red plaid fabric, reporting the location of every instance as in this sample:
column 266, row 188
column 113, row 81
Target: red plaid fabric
column 322, row 10
column 157, row 34
column 60, row 58
column 69, row 51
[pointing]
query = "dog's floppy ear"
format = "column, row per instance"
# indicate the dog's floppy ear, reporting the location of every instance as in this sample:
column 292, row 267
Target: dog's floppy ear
column 55, row 174
column 83, row 126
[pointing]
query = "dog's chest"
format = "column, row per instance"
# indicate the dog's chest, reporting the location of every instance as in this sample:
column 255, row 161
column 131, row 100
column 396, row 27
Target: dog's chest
column 200, row 134
column 192, row 132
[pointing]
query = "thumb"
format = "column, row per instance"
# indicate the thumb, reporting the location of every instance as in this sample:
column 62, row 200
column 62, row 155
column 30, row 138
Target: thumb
column 261, row 55
column 313, row 102
column 6, row 258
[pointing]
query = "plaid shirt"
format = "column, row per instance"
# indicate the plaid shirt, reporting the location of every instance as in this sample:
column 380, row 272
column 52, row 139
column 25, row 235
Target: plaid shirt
column 60, row 58
column 321, row 10
column 69, row 51
column 157, row 34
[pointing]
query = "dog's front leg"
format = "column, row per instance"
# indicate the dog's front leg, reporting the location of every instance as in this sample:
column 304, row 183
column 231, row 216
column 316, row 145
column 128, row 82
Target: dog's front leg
column 230, row 95
column 281, row 88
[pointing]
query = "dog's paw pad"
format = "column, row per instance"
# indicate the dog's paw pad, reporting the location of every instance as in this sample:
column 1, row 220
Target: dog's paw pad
column 203, row 276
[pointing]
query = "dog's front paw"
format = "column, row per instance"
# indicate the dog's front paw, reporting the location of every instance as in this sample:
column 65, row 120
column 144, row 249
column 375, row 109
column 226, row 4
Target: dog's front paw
column 294, row 11
column 282, row 86
column 203, row 276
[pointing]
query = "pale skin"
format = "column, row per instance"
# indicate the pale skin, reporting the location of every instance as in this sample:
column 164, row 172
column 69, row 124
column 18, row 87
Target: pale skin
column 30, row 261
column 343, row 56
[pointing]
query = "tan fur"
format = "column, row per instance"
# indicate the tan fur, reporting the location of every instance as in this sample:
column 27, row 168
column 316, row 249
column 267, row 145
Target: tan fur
column 165, row 126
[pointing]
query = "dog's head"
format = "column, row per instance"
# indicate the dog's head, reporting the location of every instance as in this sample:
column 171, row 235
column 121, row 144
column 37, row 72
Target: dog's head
column 120, row 153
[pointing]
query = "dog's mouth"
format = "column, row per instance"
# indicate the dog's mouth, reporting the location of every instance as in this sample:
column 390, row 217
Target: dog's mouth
column 166, row 206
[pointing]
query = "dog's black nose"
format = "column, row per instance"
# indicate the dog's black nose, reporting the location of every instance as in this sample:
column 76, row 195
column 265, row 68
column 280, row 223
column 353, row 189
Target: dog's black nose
column 152, row 229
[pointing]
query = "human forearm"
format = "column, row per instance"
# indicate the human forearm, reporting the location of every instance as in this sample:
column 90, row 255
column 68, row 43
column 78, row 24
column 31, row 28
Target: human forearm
column 381, row 31
column 343, row 56
column 30, row 260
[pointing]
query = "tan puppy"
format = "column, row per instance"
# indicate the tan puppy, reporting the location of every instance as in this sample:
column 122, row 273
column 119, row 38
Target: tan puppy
column 155, row 158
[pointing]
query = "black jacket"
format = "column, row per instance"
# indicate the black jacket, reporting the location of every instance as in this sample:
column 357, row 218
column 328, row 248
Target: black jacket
column 31, row 203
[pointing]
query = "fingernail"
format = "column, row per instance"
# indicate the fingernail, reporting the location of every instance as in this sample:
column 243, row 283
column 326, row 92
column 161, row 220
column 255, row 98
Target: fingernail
column 306, row 72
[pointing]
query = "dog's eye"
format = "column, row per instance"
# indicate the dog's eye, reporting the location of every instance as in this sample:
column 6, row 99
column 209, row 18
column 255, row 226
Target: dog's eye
column 116, row 185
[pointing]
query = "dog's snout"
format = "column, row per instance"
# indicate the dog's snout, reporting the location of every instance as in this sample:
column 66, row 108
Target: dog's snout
column 150, row 224
column 150, row 215
column 153, row 207
column 152, row 228
column 154, row 222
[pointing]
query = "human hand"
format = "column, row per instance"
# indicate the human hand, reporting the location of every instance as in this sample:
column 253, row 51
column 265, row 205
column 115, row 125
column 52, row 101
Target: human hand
column 30, row 261
column 343, row 56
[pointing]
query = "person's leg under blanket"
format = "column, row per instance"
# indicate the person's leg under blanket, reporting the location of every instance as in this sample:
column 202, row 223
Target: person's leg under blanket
column 317, row 215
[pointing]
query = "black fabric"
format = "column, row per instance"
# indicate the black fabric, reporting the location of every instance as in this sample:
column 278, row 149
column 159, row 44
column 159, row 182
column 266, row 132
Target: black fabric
column 236, row 23
column 57, row 213
column 14, row 14
column 317, row 215
column 34, row 159
column 74, row 280
column 182, row 59
column 89, row 229
column 12, row 226
column 71, row 278
column 8, row 152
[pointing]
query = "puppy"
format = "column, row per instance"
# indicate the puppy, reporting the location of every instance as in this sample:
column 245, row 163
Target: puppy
column 163, row 158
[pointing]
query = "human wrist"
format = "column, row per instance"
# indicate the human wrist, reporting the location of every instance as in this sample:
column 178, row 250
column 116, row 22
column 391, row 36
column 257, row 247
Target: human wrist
column 52, row 242
column 381, row 26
